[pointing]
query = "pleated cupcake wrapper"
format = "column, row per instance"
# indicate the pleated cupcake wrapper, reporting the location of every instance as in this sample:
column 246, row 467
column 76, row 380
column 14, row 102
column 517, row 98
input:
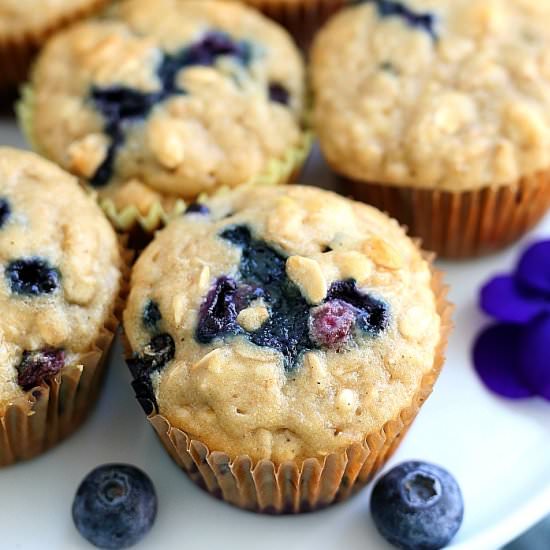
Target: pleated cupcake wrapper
column 292, row 487
column 301, row 17
column 50, row 412
column 17, row 52
column 129, row 219
column 462, row 224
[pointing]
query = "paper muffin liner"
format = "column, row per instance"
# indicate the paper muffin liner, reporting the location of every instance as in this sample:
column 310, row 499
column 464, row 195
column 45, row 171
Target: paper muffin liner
column 51, row 411
column 462, row 224
column 141, row 226
column 294, row 487
column 301, row 17
column 17, row 52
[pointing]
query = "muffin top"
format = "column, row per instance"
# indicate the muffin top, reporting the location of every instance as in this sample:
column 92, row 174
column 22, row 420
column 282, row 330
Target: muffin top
column 446, row 94
column 60, row 265
column 173, row 101
column 281, row 323
column 17, row 17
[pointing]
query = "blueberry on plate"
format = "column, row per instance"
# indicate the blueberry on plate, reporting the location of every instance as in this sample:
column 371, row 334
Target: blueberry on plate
column 417, row 506
column 115, row 506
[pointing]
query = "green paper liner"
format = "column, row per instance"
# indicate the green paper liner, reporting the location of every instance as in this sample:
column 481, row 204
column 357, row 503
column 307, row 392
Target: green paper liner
column 17, row 52
column 295, row 487
column 50, row 412
column 129, row 219
column 463, row 224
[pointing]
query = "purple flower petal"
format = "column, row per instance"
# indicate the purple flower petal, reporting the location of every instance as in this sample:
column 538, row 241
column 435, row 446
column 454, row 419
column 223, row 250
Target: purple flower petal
column 534, row 356
column 496, row 354
column 506, row 301
column 534, row 268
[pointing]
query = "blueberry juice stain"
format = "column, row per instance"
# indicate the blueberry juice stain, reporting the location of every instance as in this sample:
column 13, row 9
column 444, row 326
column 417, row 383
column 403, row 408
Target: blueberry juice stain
column 122, row 106
column 294, row 326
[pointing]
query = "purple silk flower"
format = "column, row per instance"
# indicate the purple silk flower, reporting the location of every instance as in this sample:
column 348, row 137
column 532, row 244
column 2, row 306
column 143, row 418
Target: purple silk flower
column 512, row 357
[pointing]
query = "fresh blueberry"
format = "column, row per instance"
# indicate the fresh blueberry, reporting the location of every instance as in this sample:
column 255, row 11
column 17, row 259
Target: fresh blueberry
column 417, row 506
column 197, row 208
column 32, row 276
column 5, row 211
column 151, row 316
column 278, row 93
column 115, row 506
column 331, row 323
column 37, row 366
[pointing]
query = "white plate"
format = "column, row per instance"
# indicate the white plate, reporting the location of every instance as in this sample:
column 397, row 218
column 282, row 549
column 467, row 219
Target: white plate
column 499, row 452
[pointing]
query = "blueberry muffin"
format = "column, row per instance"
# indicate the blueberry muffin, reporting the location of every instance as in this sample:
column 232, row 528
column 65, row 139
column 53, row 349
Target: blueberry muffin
column 154, row 106
column 283, row 329
column 25, row 26
column 439, row 112
column 61, row 277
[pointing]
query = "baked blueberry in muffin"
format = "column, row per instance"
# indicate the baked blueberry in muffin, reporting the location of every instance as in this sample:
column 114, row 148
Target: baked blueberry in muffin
column 151, row 107
column 61, row 275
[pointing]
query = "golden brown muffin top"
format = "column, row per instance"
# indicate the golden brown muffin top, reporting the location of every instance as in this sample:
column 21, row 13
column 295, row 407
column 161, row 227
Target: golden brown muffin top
column 154, row 104
column 446, row 94
column 281, row 323
column 60, row 271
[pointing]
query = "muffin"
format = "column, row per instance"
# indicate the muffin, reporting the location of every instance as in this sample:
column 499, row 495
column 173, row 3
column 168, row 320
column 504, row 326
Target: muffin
column 281, row 342
column 301, row 17
column 439, row 113
column 153, row 108
column 61, row 278
column 25, row 26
